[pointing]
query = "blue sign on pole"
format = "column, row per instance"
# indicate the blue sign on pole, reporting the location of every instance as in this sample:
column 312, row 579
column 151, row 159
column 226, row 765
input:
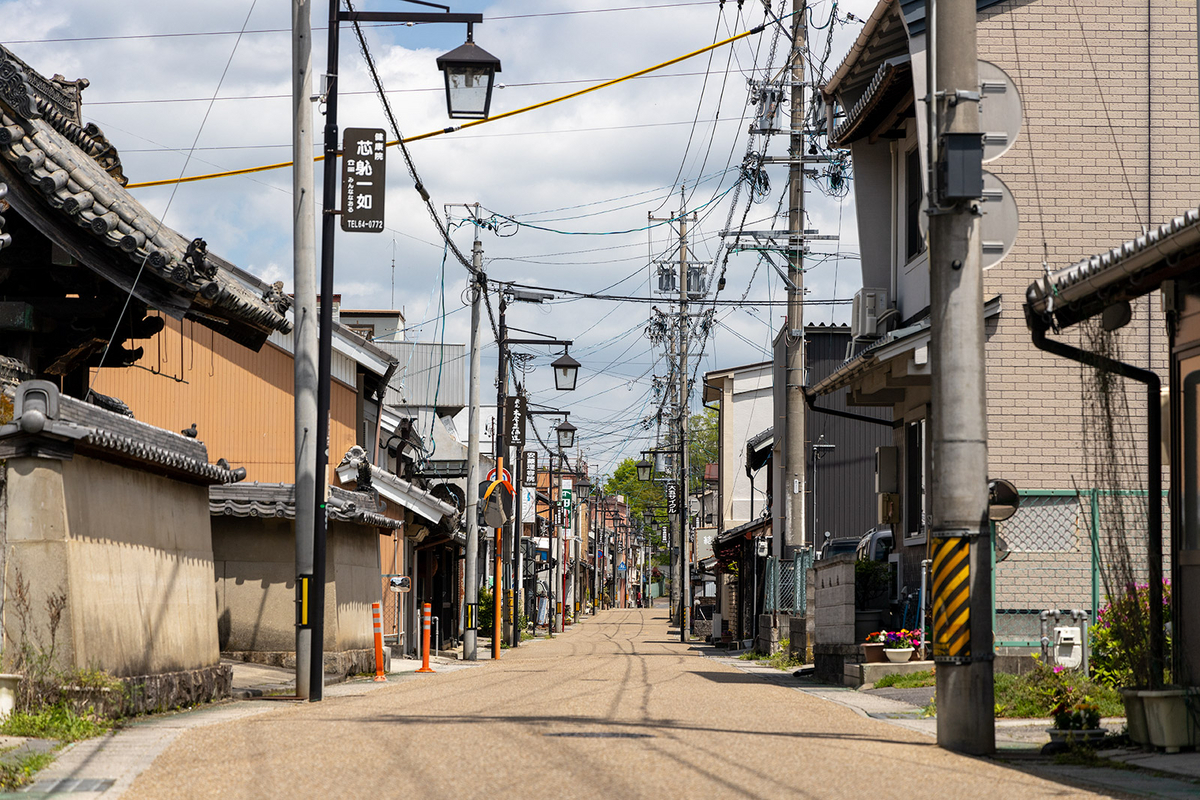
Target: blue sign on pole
column 621, row 567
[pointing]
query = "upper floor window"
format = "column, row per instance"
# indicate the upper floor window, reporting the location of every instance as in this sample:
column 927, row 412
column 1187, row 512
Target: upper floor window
column 914, row 242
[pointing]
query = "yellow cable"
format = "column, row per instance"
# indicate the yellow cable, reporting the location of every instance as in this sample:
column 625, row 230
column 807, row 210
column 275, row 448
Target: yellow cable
column 473, row 123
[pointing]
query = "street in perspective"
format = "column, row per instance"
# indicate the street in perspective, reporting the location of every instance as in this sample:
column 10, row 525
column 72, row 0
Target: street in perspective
column 665, row 399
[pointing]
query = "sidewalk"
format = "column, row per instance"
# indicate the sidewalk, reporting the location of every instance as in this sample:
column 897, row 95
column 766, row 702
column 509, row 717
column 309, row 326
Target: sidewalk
column 1018, row 741
column 106, row 766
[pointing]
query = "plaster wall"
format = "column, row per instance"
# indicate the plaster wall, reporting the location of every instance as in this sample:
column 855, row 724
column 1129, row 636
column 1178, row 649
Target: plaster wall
column 254, row 565
column 746, row 410
column 132, row 553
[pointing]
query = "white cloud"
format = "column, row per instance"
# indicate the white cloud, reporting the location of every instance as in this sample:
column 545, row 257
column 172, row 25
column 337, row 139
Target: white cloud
column 151, row 96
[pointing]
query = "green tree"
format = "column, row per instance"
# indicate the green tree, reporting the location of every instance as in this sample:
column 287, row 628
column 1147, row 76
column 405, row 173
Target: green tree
column 639, row 495
column 702, row 447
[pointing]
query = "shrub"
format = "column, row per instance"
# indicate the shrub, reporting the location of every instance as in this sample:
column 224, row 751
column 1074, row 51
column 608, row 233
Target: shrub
column 1120, row 639
column 871, row 580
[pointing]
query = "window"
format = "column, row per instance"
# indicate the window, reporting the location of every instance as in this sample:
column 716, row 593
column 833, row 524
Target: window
column 914, row 478
column 914, row 243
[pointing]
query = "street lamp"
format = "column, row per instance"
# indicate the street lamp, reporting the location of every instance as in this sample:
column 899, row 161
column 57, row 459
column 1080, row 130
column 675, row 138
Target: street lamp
column 583, row 487
column 566, row 435
column 312, row 633
column 644, row 470
column 566, row 372
column 470, row 74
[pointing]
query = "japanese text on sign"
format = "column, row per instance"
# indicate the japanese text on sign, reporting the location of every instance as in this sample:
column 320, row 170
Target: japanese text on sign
column 363, row 180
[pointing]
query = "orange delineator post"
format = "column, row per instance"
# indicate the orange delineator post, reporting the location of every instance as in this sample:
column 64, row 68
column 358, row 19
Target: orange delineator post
column 377, row 619
column 425, row 626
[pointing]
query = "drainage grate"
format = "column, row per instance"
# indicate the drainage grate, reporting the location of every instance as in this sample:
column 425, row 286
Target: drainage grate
column 71, row 785
column 600, row 735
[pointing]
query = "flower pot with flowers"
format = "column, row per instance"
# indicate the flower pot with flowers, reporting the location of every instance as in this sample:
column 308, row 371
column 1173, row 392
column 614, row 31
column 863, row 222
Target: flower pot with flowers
column 898, row 646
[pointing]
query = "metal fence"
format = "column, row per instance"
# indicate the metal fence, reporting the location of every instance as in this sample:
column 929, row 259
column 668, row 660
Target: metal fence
column 1050, row 555
column 786, row 584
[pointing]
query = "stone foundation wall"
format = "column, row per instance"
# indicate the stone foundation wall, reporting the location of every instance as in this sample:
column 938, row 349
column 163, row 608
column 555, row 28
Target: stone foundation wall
column 830, row 660
column 145, row 694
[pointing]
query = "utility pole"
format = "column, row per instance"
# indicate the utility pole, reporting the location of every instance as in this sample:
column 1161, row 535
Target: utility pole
column 960, row 533
column 682, row 422
column 793, row 490
column 304, row 284
column 498, row 595
column 515, row 603
column 471, row 567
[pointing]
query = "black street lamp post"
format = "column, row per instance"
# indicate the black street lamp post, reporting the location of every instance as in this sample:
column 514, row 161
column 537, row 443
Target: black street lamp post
column 456, row 74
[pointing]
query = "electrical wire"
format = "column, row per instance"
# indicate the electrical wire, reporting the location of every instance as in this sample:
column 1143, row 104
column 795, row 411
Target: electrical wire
column 402, row 141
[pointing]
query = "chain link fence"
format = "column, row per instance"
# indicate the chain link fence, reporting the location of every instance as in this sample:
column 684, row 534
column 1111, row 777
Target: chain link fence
column 785, row 590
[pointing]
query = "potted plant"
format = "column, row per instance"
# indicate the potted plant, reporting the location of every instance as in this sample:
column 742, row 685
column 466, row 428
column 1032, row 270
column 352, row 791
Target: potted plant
column 896, row 646
column 1075, row 721
column 1120, row 644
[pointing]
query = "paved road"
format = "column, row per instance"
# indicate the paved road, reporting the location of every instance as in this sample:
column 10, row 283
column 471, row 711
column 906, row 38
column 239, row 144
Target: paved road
column 611, row 709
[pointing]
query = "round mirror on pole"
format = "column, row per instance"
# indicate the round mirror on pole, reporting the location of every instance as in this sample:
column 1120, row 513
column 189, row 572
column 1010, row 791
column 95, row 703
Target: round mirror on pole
column 566, row 372
column 644, row 470
column 470, row 73
column 566, row 435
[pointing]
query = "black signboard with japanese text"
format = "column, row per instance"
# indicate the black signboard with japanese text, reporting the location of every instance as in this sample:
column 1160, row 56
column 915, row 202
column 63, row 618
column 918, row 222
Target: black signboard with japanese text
column 529, row 471
column 363, row 180
column 514, row 419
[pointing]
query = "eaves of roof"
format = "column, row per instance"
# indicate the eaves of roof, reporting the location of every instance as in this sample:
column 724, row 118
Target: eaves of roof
column 1083, row 289
column 56, row 172
column 891, row 83
column 395, row 489
column 885, row 348
column 278, row 500
column 856, row 49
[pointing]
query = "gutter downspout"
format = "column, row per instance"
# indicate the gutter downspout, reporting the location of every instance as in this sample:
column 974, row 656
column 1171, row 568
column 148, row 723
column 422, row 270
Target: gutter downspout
column 808, row 398
column 1154, row 551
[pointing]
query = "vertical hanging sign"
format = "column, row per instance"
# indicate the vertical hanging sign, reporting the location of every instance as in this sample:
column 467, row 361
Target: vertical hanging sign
column 363, row 180
column 529, row 473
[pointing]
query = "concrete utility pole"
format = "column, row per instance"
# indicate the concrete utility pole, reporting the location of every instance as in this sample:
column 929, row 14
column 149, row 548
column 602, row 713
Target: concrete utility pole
column 793, row 489
column 684, row 396
column 304, row 284
column 470, row 571
column 961, row 541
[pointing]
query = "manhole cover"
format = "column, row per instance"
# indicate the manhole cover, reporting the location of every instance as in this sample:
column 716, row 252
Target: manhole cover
column 600, row 735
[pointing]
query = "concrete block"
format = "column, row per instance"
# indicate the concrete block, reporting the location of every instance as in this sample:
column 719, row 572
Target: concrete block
column 835, row 634
column 859, row 674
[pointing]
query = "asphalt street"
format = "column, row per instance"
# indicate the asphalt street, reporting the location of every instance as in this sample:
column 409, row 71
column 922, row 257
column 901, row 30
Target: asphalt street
column 616, row 707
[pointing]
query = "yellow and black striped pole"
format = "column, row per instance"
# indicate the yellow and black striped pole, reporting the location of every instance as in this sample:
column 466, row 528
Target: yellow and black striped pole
column 951, row 598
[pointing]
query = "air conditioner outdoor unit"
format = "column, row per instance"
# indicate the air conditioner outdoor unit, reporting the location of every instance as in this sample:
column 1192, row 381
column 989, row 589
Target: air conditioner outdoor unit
column 869, row 305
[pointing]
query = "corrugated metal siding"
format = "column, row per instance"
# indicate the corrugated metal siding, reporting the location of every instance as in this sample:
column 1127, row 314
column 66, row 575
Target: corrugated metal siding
column 845, row 478
column 430, row 374
column 241, row 401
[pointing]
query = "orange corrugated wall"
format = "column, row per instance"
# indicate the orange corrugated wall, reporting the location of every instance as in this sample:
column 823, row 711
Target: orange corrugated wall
column 241, row 401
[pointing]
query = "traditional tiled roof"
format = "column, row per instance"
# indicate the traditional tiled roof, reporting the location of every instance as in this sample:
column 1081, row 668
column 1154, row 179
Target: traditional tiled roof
column 1087, row 286
column 891, row 81
column 279, row 500
column 67, row 180
column 356, row 467
column 51, row 425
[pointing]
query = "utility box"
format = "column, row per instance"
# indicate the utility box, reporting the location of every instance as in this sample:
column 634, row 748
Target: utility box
column 1068, row 647
column 960, row 171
